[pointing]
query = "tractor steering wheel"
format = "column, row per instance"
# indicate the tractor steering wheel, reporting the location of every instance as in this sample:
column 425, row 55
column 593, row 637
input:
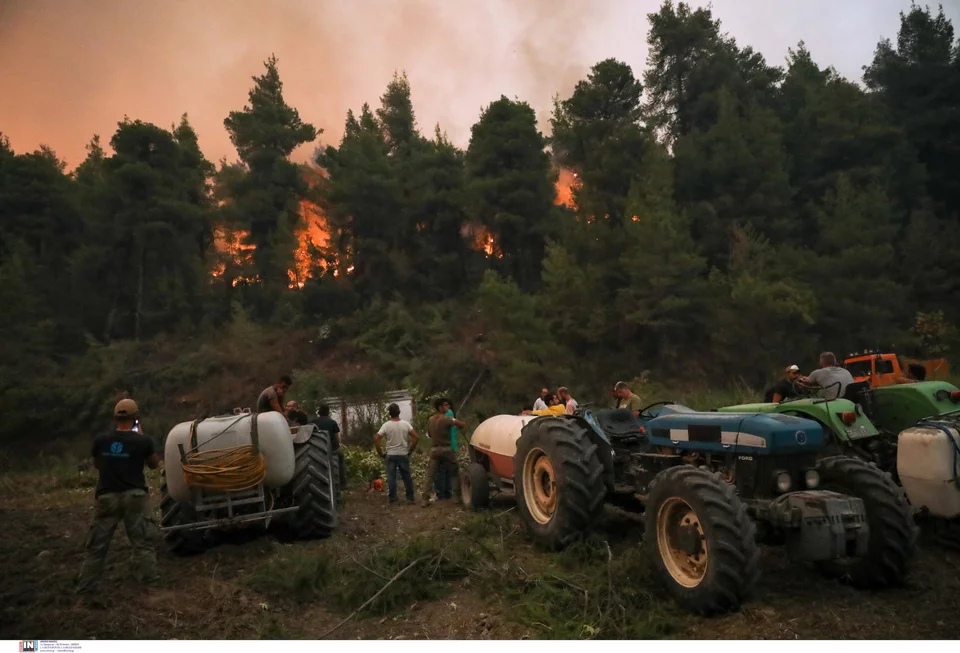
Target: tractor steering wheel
column 643, row 411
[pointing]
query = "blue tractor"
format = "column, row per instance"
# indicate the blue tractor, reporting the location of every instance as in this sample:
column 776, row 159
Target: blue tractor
column 712, row 486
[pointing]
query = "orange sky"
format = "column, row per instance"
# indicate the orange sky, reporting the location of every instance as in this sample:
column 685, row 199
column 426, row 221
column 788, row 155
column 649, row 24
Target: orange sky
column 72, row 68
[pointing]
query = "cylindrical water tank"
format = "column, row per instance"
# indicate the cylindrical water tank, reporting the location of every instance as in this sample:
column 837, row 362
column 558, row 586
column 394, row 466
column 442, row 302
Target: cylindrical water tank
column 497, row 437
column 928, row 465
column 275, row 441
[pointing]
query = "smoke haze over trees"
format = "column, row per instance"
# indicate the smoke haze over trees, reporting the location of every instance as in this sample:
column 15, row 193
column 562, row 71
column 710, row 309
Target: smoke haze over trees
column 726, row 217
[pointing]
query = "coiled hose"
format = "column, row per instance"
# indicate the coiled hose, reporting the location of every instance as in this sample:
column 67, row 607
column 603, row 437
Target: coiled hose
column 226, row 470
column 232, row 469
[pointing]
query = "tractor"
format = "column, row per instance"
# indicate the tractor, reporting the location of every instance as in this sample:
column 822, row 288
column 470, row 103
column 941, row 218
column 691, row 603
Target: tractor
column 910, row 430
column 711, row 486
column 240, row 468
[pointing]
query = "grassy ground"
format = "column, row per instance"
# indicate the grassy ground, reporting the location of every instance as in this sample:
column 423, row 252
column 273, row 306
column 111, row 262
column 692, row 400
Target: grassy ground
column 464, row 575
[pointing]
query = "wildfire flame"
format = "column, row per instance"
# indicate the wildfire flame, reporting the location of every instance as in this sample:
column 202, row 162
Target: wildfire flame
column 567, row 182
column 314, row 235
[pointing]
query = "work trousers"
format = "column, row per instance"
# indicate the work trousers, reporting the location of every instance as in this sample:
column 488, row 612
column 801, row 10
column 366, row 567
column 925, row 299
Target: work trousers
column 132, row 507
column 442, row 458
column 401, row 464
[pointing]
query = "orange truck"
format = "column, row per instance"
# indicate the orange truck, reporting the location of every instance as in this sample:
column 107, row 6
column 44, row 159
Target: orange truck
column 884, row 369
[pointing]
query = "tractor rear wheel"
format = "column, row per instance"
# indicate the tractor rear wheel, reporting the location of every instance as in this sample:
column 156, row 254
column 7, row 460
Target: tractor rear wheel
column 476, row 487
column 893, row 533
column 315, row 487
column 178, row 513
column 558, row 479
column 702, row 540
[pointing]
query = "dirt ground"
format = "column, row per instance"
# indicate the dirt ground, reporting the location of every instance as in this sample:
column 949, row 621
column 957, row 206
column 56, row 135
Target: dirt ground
column 205, row 597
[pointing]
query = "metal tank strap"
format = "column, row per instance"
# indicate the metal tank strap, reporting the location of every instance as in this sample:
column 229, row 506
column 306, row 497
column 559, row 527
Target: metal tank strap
column 254, row 433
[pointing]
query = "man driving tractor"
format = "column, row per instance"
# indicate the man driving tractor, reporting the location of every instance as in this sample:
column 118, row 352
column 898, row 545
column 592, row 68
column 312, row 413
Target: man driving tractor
column 830, row 380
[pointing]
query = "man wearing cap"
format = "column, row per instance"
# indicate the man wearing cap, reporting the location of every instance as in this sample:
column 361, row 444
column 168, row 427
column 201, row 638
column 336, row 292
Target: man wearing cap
column 784, row 388
column 122, row 495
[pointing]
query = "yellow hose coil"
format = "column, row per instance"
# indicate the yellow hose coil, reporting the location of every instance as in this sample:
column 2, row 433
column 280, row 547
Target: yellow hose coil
column 225, row 470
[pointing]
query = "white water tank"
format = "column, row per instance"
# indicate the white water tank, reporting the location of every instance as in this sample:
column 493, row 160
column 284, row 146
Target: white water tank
column 275, row 439
column 929, row 465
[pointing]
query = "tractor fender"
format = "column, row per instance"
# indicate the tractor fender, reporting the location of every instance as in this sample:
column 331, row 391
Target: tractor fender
column 604, row 448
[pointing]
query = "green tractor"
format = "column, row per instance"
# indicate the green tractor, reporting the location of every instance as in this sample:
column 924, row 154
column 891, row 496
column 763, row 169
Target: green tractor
column 910, row 431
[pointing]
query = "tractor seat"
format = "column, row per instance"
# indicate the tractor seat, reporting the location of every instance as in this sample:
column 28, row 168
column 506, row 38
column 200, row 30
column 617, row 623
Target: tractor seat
column 619, row 423
column 856, row 392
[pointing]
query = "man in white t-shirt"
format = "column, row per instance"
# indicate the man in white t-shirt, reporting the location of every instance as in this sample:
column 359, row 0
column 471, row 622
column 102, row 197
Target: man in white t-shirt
column 541, row 402
column 401, row 439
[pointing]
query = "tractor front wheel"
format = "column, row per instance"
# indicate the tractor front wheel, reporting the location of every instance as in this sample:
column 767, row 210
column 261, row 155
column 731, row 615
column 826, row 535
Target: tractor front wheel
column 701, row 539
column 476, row 487
column 893, row 533
column 558, row 479
column 177, row 513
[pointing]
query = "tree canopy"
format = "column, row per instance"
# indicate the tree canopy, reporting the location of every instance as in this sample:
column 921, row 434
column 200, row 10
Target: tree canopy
column 728, row 217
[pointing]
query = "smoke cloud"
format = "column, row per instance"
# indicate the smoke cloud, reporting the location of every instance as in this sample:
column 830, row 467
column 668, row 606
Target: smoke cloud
column 72, row 68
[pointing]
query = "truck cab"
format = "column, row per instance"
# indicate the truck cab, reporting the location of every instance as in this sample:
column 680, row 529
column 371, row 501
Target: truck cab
column 881, row 369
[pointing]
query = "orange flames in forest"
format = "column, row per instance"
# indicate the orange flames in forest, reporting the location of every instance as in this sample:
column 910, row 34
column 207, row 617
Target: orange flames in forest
column 567, row 181
column 314, row 236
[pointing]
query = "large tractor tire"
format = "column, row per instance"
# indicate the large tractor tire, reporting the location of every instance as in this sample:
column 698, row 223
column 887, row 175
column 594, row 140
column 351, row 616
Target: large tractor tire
column 177, row 513
column 315, row 487
column 476, row 487
column 701, row 540
column 893, row 533
column 558, row 479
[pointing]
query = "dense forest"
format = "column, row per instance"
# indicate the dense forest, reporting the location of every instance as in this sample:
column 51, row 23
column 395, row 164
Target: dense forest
column 709, row 219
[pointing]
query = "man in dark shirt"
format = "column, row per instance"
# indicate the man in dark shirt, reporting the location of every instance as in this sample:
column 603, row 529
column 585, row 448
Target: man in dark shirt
column 122, row 496
column 442, row 454
column 326, row 423
column 784, row 389
column 272, row 396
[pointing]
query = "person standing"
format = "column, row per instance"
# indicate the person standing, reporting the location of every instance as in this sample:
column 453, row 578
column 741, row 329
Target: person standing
column 441, row 453
column 443, row 475
column 401, row 440
column 324, row 422
column 122, row 495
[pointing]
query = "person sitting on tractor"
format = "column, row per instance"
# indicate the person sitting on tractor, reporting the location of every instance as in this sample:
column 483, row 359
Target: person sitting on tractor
column 567, row 400
column 541, row 401
column 783, row 389
column 830, row 380
column 914, row 374
column 272, row 395
column 627, row 399
column 295, row 416
column 554, row 407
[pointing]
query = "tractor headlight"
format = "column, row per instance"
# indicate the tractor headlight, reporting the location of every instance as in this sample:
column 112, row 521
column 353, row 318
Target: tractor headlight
column 784, row 482
column 812, row 479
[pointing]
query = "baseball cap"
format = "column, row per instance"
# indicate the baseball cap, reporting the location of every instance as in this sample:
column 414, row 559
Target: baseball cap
column 792, row 368
column 126, row 408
